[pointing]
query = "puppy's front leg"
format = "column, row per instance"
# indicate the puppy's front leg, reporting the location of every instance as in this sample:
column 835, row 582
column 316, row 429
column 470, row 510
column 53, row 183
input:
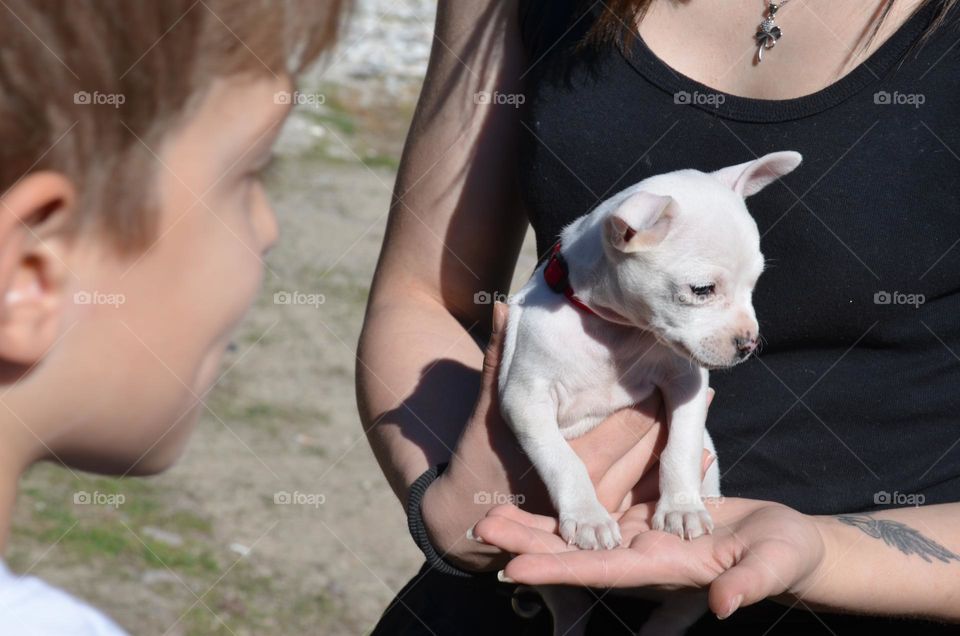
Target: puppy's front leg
column 680, row 509
column 583, row 519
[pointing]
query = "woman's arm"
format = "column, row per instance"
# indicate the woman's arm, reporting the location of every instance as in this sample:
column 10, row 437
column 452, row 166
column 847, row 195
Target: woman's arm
column 903, row 562
column 426, row 390
column 899, row 562
column 455, row 229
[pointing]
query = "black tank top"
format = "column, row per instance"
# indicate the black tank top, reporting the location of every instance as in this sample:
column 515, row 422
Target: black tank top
column 853, row 403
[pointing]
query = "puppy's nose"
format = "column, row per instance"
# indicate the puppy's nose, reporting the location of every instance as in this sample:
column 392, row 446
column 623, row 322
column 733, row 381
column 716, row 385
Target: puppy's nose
column 745, row 346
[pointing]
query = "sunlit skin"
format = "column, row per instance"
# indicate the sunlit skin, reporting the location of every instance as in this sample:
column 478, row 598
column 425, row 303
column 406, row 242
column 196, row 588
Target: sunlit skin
column 116, row 385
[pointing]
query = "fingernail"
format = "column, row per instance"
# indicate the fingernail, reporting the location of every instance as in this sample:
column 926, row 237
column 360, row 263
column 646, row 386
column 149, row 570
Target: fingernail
column 474, row 536
column 710, row 459
column 734, row 604
column 503, row 578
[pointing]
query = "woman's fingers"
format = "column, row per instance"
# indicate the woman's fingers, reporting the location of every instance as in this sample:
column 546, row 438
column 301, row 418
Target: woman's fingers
column 538, row 522
column 763, row 571
column 639, row 461
column 652, row 559
column 606, row 444
column 491, row 357
column 640, row 465
column 648, row 488
column 516, row 537
column 706, row 462
column 620, row 567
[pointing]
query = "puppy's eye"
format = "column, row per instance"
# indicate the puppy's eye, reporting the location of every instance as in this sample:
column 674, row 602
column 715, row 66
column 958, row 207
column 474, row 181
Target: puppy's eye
column 702, row 290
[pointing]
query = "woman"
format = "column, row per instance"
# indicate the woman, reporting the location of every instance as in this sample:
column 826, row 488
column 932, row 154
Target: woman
column 848, row 409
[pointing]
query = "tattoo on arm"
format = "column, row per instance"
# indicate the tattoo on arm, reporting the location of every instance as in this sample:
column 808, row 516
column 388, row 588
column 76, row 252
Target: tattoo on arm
column 900, row 536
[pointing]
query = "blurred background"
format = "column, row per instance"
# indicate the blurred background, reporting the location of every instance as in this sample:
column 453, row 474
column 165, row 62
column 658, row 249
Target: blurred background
column 277, row 520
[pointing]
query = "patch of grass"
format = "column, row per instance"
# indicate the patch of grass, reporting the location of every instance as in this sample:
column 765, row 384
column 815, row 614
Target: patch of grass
column 90, row 541
column 185, row 560
column 382, row 161
column 48, row 513
column 231, row 409
column 333, row 113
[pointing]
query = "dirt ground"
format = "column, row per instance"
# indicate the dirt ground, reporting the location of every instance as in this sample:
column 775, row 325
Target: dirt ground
column 277, row 520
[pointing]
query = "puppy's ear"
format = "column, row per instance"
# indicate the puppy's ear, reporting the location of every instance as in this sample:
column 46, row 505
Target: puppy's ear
column 641, row 221
column 748, row 178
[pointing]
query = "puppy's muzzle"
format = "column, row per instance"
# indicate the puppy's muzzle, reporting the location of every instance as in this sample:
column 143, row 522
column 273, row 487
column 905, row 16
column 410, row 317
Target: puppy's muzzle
column 745, row 346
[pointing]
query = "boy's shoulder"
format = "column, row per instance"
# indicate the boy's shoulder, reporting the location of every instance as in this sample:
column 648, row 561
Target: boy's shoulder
column 31, row 607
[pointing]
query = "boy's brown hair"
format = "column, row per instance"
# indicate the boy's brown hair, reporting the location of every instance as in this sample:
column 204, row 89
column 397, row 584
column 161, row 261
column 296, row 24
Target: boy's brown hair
column 85, row 84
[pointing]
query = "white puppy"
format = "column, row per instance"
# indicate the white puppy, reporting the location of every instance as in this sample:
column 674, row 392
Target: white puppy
column 647, row 291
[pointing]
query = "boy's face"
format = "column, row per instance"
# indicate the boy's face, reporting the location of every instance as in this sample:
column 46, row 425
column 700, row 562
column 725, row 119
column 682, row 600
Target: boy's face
column 142, row 336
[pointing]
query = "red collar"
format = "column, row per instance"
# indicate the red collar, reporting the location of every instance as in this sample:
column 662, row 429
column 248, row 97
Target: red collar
column 557, row 275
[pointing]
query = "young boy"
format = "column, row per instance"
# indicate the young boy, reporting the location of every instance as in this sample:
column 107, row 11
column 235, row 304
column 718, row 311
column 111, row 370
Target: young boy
column 132, row 229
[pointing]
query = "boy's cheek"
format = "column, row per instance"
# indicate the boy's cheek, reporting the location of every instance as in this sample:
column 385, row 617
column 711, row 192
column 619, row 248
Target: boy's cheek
column 151, row 351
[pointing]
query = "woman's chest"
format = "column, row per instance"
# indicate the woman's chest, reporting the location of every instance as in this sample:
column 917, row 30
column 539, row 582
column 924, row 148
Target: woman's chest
column 819, row 42
column 866, row 227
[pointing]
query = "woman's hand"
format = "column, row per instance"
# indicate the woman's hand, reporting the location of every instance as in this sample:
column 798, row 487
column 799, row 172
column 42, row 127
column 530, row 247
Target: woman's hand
column 488, row 466
column 758, row 549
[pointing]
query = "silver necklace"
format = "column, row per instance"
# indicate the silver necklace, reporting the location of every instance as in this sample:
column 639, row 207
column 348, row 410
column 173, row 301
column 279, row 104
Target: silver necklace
column 768, row 32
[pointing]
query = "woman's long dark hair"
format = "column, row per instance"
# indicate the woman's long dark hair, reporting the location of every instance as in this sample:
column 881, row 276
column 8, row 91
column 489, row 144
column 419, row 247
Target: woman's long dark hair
column 618, row 20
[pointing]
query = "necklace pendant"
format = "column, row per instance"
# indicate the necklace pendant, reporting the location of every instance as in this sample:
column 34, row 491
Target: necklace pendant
column 768, row 32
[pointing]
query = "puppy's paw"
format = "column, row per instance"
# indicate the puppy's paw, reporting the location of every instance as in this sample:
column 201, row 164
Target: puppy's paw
column 688, row 520
column 590, row 528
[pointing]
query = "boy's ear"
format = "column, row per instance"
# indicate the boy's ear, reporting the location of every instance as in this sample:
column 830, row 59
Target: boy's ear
column 33, row 274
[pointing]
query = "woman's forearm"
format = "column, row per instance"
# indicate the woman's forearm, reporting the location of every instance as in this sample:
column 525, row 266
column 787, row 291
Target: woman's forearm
column 899, row 562
column 417, row 381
